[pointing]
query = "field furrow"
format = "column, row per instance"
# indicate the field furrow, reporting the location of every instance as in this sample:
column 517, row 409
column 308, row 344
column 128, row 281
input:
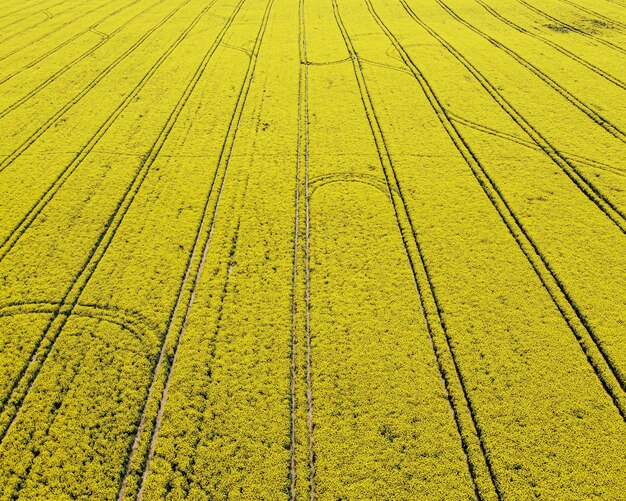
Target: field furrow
column 559, row 48
column 9, row 46
column 95, row 253
column 566, row 336
column 14, row 69
column 313, row 250
column 580, row 27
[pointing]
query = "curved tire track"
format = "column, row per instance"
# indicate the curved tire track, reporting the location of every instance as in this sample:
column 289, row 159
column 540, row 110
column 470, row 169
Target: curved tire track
column 46, row 54
column 218, row 178
column 20, row 388
column 486, row 485
column 606, row 371
column 595, row 69
column 615, row 214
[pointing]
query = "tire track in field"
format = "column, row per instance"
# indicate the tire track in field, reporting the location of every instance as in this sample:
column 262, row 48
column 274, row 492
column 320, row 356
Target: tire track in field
column 385, row 65
column 66, row 67
column 15, row 21
column 302, row 183
column 20, row 388
column 572, row 28
column 328, row 63
column 221, row 172
column 21, row 307
column 617, row 2
column 37, row 60
column 302, row 76
column 307, row 268
column 294, row 304
column 8, row 160
column 616, row 24
column 127, row 319
column 45, row 19
column 43, row 37
column 367, row 179
column 220, row 312
column 606, row 371
column 485, row 482
column 600, row 72
column 533, row 146
column 58, row 403
column 23, row 7
column 43, row 128
column 101, row 34
column 16, row 233
column 615, row 214
column 612, row 129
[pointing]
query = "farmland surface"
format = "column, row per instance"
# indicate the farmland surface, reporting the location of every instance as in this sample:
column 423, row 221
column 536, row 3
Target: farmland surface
column 313, row 249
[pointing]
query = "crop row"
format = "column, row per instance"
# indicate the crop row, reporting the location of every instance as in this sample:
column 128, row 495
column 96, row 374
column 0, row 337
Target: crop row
column 312, row 250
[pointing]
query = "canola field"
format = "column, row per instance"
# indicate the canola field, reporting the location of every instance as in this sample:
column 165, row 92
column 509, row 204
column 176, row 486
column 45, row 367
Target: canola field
column 313, row 249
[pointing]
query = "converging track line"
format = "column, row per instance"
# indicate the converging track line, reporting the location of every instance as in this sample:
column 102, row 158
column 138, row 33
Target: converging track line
column 212, row 349
column 578, row 31
column 58, row 47
column 54, row 118
column 222, row 169
column 611, row 128
column 24, row 7
column 595, row 69
column 46, row 18
column 604, row 368
column 27, row 220
column 485, row 482
column 533, row 146
column 614, row 213
column 43, row 37
column 22, row 385
column 614, row 22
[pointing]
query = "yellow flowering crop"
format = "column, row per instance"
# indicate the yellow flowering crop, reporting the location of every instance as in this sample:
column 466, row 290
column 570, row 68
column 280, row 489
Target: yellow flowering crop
column 313, row 249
